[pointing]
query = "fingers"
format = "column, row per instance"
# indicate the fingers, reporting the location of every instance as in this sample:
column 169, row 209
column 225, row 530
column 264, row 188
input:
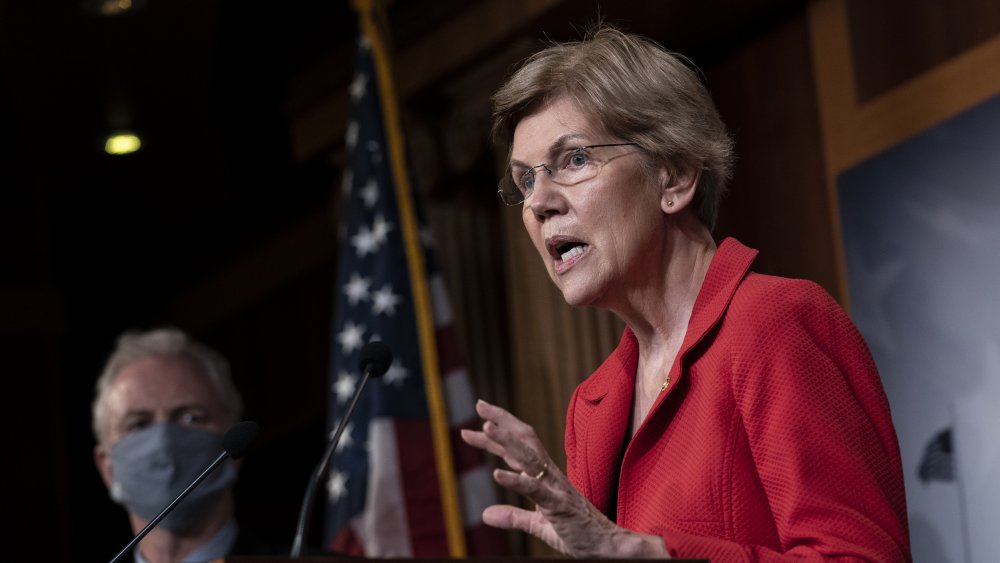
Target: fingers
column 481, row 441
column 490, row 411
column 525, row 451
column 509, row 517
column 563, row 518
column 506, row 436
column 542, row 473
column 544, row 490
column 500, row 416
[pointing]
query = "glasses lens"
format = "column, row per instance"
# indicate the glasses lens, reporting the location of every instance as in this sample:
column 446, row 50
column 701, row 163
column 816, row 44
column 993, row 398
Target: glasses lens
column 509, row 194
column 577, row 166
column 516, row 188
column 574, row 176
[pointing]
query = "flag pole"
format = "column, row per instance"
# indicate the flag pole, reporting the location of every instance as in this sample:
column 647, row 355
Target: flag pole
column 421, row 295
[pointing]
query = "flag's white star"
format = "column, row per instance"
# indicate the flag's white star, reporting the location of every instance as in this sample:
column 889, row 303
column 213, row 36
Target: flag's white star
column 351, row 135
column 350, row 337
column 385, row 301
column 364, row 242
column 343, row 388
column 369, row 193
column 346, row 439
column 381, row 228
column 396, row 374
column 358, row 86
column 336, row 485
column 357, row 289
column 364, row 42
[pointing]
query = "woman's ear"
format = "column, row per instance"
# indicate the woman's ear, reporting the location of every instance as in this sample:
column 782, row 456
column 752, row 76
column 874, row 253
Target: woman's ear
column 678, row 187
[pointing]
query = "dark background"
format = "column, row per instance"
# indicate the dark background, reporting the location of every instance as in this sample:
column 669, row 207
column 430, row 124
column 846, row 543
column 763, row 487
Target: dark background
column 225, row 222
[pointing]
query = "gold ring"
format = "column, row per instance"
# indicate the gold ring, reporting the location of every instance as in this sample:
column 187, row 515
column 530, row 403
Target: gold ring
column 541, row 473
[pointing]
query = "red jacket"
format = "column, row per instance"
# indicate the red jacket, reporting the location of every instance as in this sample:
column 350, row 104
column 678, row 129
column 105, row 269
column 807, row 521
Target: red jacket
column 772, row 443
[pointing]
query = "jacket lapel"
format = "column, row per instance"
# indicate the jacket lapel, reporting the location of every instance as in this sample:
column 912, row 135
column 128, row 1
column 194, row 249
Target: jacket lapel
column 729, row 266
column 607, row 394
column 607, row 397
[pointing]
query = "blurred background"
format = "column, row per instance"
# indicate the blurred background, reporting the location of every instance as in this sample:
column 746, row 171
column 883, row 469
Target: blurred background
column 224, row 222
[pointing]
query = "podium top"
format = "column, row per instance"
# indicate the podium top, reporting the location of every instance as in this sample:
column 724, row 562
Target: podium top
column 334, row 559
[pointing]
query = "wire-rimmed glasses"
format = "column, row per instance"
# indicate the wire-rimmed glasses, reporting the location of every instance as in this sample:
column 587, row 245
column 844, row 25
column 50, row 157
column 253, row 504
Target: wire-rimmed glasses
column 573, row 166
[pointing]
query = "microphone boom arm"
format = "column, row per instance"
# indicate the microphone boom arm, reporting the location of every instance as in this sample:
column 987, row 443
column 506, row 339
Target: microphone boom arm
column 324, row 463
column 163, row 513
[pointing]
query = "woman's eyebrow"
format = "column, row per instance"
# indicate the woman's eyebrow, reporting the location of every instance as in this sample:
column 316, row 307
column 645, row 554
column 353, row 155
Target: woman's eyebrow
column 556, row 147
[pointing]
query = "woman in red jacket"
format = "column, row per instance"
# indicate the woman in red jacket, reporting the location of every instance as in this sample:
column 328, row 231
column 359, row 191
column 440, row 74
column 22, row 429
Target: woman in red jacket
column 741, row 418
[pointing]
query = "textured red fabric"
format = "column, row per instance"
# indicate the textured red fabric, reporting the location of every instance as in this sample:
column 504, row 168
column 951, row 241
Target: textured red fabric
column 773, row 443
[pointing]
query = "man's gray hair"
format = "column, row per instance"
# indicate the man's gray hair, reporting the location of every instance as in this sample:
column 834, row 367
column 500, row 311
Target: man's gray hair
column 133, row 346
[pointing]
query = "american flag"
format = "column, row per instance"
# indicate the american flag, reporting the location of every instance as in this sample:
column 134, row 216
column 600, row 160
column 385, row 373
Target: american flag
column 384, row 487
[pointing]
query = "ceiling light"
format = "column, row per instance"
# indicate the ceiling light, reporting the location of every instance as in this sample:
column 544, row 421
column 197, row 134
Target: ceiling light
column 122, row 142
column 112, row 7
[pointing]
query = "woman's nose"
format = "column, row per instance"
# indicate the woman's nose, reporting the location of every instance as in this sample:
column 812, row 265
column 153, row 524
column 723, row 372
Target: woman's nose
column 547, row 197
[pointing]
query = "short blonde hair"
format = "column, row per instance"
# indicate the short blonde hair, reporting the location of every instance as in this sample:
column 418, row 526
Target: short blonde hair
column 639, row 92
column 133, row 346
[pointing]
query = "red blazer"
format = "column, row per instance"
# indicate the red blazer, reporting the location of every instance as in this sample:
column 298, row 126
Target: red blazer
column 772, row 443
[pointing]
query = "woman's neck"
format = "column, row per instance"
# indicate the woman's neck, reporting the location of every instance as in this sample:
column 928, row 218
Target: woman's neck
column 658, row 310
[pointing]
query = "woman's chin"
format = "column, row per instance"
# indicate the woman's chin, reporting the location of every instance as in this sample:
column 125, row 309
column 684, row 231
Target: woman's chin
column 577, row 296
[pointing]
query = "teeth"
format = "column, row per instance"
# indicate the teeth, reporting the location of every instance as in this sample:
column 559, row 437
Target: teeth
column 575, row 251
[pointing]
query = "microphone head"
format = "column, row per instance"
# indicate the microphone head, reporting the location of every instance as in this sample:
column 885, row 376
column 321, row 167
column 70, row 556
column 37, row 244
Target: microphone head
column 238, row 438
column 376, row 357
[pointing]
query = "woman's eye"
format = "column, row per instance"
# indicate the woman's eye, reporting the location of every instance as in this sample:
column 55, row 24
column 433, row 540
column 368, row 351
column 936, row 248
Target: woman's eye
column 578, row 158
column 527, row 181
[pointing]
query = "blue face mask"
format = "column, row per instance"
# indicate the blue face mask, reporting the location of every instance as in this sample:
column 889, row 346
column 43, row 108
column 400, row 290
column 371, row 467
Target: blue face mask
column 152, row 466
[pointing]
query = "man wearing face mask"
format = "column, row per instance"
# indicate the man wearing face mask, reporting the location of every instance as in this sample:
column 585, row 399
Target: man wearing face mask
column 162, row 405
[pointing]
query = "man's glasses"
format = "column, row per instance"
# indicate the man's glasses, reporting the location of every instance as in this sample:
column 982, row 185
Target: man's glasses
column 572, row 167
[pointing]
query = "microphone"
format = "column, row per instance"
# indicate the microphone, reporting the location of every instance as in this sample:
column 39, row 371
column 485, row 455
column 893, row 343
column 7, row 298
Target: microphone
column 234, row 444
column 374, row 360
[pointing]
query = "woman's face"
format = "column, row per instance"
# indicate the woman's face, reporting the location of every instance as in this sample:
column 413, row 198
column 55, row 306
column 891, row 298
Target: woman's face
column 596, row 238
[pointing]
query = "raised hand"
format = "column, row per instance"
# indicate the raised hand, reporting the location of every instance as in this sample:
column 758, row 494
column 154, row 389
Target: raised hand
column 563, row 518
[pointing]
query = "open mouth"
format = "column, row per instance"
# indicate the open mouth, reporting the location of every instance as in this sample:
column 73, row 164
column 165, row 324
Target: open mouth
column 565, row 251
column 570, row 250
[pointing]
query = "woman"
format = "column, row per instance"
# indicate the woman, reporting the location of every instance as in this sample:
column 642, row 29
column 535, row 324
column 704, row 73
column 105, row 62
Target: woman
column 741, row 417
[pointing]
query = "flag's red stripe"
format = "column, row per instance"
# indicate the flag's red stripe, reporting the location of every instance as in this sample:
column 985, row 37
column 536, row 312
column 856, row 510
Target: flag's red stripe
column 346, row 542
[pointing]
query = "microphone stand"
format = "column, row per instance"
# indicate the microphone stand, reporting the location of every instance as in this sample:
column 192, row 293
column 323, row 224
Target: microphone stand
column 307, row 502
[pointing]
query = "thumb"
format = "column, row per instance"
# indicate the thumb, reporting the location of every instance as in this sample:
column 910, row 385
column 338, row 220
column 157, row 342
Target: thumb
column 508, row 517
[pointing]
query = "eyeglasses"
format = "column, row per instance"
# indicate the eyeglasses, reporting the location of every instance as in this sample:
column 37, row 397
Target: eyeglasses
column 572, row 167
